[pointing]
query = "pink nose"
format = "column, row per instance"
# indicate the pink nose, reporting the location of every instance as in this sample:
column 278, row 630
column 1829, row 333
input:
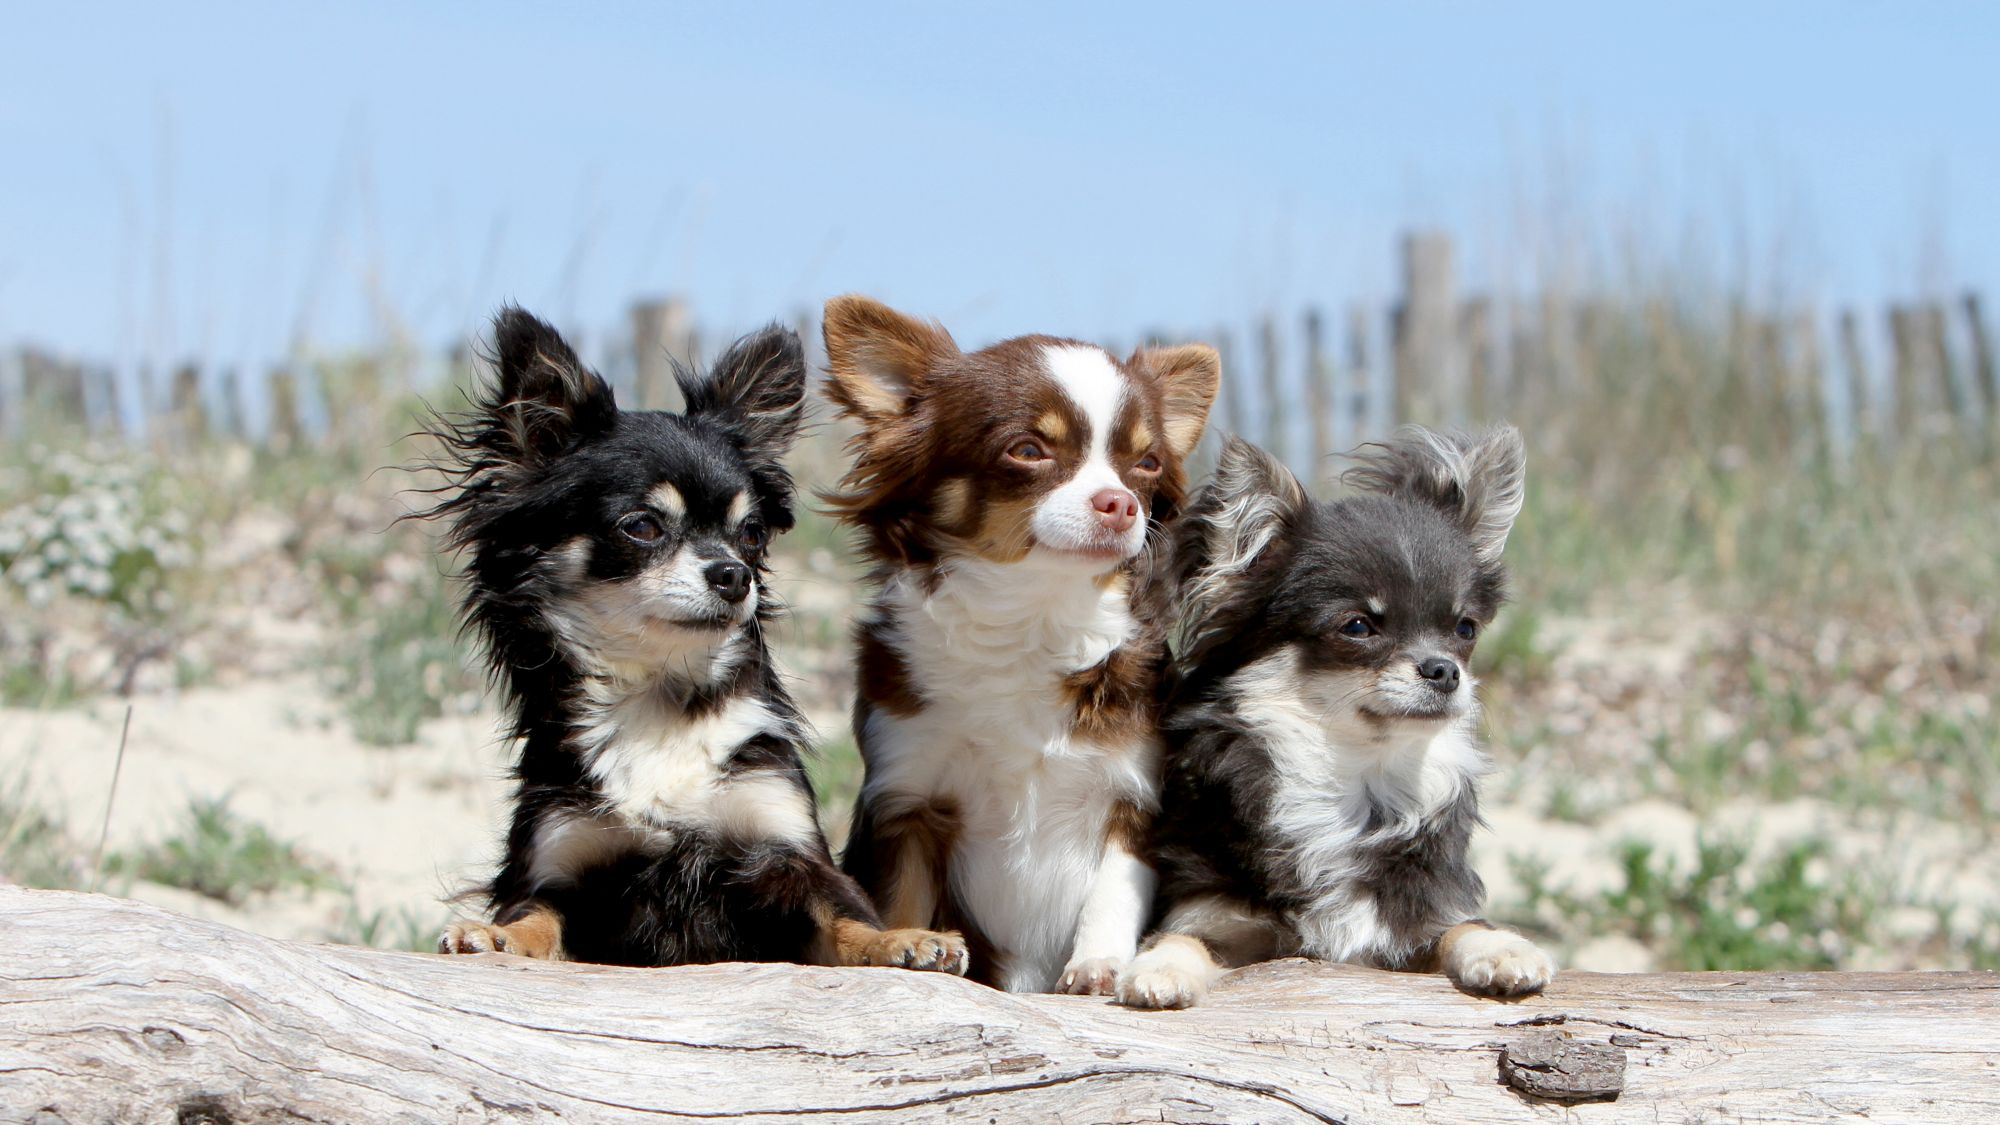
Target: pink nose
column 1118, row 509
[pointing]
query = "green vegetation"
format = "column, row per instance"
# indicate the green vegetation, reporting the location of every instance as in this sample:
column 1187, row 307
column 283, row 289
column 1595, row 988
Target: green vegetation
column 403, row 661
column 218, row 854
column 1724, row 913
column 408, row 928
column 36, row 850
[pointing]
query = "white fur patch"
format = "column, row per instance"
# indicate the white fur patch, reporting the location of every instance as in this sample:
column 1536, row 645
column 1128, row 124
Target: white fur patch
column 1501, row 962
column 1066, row 519
column 1176, row 972
column 1334, row 767
column 1108, row 927
column 989, row 646
column 739, row 507
column 660, row 769
column 568, row 844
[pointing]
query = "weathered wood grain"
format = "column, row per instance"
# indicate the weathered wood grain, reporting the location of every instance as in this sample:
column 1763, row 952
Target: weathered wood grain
column 112, row 1011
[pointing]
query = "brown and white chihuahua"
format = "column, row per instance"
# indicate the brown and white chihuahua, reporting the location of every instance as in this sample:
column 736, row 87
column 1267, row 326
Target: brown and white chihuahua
column 1012, row 500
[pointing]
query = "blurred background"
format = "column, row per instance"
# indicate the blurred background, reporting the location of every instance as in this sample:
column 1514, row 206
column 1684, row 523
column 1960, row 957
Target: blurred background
column 1730, row 268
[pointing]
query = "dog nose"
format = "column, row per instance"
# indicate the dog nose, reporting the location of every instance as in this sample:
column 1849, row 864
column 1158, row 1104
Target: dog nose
column 1441, row 671
column 728, row 578
column 1117, row 508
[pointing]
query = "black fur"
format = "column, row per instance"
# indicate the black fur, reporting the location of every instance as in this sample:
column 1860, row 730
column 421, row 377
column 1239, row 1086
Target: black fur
column 1263, row 570
column 545, row 467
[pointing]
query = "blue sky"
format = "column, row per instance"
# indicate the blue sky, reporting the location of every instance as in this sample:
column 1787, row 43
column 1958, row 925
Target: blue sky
column 216, row 179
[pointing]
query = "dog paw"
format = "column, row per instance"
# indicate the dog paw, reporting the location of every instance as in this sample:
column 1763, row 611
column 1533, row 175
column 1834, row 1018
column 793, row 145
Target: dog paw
column 1500, row 963
column 1090, row 976
column 1160, row 986
column 473, row 937
column 923, row 950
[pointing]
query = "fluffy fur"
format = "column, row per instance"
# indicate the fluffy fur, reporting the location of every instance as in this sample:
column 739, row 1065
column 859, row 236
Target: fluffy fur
column 1013, row 501
column 1323, row 762
column 616, row 575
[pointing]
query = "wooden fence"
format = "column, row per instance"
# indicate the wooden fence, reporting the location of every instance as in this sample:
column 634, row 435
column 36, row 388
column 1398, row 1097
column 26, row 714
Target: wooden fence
column 1306, row 384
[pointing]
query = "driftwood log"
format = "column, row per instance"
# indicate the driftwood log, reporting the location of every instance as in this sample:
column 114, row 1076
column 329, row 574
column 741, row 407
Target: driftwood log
column 111, row 1011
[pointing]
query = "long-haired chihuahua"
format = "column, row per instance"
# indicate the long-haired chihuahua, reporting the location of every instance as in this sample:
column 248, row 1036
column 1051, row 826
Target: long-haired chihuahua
column 1323, row 756
column 617, row 576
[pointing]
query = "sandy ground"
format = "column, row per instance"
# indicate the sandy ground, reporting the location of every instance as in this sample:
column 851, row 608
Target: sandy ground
column 406, row 825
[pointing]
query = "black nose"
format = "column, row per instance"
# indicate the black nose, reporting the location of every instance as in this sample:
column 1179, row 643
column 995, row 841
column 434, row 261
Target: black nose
column 728, row 578
column 1441, row 671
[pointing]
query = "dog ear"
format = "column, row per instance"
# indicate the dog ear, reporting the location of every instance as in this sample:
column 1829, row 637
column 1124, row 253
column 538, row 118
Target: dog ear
column 1476, row 480
column 1243, row 509
column 756, row 392
column 546, row 401
column 1189, row 376
column 877, row 359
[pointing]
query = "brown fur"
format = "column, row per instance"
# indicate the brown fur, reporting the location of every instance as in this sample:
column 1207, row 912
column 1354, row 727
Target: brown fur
column 935, row 477
column 534, row 931
column 881, row 676
column 933, row 416
column 1116, row 702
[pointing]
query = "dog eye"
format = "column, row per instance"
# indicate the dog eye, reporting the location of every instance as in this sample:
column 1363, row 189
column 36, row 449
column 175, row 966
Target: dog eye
column 1149, row 464
column 641, row 528
column 1027, row 451
column 750, row 537
column 1468, row 628
column 1357, row 626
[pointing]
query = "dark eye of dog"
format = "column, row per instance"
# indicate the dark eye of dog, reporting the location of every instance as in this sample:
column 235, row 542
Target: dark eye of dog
column 1027, row 451
column 1468, row 628
column 1357, row 626
column 750, row 537
column 641, row 528
column 1149, row 464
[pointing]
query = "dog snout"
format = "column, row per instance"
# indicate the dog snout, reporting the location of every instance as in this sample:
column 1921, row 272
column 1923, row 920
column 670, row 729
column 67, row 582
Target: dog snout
column 729, row 579
column 1441, row 671
column 1116, row 508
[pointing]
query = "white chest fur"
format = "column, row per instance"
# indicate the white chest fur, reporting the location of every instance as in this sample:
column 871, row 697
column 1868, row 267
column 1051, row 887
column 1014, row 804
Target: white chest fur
column 1335, row 772
column 662, row 771
column 988, row 650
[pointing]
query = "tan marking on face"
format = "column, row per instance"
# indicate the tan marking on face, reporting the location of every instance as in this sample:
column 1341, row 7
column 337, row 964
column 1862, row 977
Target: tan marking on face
column 953, row 501
column 1006, row 530
column 669, row 500
column 1054, row 426
column 1141, row 436
column 739, row 507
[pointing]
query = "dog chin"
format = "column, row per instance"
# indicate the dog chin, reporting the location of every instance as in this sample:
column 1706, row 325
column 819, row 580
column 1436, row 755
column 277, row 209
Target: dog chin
column 1405, row 711
column 1091, row 558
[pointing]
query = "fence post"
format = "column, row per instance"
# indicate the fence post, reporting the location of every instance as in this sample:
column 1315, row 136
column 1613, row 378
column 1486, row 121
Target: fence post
column 283, row 433
column 1321, row 394
column 660, row 335
column 1985, row 381
column 1427, row 374
column 1863, row 413
column 1475, row 336
column 1271, row 380
column 1358, row 404
column 190, row 417
column 1231, row 394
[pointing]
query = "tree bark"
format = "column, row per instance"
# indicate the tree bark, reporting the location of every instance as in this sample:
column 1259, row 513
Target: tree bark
column 112, row 1011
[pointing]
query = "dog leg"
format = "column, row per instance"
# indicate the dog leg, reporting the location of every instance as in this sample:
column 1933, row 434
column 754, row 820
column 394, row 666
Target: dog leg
column 1200, row 939
column 1485, row 960
column 1107, row 933
column 536, row 931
